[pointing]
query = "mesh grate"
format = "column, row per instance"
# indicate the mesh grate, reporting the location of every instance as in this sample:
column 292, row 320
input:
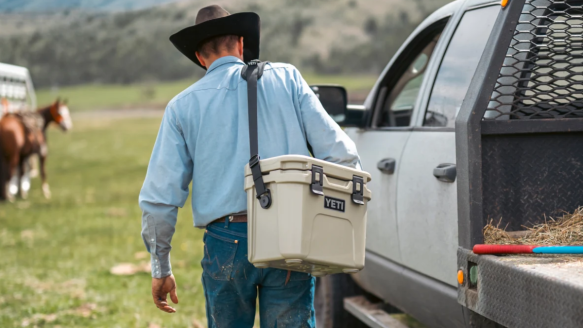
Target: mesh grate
column 542, row 74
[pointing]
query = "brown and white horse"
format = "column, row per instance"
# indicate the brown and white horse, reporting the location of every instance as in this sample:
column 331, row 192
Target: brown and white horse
column 21, row 136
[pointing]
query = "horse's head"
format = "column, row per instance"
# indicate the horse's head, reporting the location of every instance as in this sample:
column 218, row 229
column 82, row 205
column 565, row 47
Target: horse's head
column 61, row 115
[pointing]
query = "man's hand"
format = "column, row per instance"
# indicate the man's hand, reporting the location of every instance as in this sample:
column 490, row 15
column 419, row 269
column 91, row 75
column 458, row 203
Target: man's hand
column 160, row 289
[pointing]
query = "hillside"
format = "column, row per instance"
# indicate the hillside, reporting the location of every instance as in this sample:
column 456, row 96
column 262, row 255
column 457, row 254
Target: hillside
column 38, row 6
column 75, row 47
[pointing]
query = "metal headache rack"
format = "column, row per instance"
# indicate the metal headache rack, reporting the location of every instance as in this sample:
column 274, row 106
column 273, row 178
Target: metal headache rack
column 519, row 136
column 542, row 73
column 519, row 129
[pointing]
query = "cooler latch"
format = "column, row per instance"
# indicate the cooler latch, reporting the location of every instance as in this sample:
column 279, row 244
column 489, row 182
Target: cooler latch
column 317, row 186
column 358, row 190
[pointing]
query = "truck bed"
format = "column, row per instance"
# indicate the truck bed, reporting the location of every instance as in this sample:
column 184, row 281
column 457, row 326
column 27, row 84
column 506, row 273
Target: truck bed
column 525, row 290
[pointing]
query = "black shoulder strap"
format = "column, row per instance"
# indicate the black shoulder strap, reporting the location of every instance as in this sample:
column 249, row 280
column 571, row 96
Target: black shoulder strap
column 251, row 73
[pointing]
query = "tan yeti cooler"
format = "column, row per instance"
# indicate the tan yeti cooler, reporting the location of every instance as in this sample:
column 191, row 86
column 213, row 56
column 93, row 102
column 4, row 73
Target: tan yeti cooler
column 317, row 220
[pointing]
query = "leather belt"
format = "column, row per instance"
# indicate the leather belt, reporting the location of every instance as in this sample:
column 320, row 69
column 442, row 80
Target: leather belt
column 233, row 219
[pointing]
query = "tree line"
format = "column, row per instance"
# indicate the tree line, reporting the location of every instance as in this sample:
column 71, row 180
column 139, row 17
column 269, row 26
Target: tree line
column 131, row 47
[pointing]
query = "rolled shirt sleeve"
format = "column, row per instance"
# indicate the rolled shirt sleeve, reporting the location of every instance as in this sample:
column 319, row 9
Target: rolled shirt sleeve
column 328, row 141
column 165, row 189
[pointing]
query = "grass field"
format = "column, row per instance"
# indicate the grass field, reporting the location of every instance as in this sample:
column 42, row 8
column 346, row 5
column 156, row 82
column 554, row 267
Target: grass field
column 57, row 254
column 157, row 95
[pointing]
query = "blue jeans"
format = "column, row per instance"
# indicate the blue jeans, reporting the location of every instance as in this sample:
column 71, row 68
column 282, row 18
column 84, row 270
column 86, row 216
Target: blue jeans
column 232, row 284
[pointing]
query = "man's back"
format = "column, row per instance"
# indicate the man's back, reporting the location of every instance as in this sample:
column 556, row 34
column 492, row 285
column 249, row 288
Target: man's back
column 204, row 138
column 211, row 117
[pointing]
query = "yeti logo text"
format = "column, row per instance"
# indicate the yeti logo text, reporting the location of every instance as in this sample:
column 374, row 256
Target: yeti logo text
column 334, row 204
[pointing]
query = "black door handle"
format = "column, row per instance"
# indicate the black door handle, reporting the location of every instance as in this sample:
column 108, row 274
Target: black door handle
column 445, row 172
column 387, row 165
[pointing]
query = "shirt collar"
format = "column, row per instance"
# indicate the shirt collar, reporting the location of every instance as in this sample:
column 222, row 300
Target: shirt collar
column 222, row 61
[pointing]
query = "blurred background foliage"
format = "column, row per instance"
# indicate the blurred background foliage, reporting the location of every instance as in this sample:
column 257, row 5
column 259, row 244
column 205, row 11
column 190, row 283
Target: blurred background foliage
column 105, row 43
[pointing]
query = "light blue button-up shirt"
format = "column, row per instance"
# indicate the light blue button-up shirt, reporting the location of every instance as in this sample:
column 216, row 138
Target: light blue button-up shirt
column 204, row 138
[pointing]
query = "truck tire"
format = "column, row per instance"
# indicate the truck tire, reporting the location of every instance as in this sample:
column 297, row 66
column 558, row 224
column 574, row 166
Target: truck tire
column 329, row 302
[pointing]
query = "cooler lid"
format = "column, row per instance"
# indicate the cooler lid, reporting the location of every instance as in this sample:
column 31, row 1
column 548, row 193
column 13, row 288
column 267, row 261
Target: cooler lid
column 304, row 163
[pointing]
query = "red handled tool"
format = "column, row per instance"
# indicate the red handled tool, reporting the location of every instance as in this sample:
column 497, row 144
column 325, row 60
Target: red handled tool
column 527, row 249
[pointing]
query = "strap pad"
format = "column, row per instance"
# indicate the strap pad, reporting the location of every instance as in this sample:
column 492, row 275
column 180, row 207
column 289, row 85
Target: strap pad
column 260, row 66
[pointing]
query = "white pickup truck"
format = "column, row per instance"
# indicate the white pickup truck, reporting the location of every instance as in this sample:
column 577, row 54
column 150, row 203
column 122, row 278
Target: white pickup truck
column 478, row 116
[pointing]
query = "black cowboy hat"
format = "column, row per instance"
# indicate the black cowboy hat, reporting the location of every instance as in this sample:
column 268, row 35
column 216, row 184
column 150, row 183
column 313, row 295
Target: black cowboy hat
column 214, row 21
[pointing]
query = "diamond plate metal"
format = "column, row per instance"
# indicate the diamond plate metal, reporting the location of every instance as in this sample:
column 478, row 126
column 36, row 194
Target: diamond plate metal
column 528, row 177
column 515, row 295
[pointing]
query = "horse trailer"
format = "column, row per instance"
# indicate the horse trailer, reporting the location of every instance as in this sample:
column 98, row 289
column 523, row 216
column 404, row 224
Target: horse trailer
column 16, row 89
column 16, row 95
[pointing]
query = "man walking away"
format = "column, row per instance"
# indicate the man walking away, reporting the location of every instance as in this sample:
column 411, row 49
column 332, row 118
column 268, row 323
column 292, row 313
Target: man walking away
column 204, row 138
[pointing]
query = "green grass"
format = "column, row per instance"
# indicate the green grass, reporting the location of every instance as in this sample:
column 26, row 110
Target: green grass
column 95, row 96
column 351, row 83
column 156, row 95
column 56, row 254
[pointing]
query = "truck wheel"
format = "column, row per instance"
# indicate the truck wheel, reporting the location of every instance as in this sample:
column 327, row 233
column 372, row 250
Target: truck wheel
column 329, row 302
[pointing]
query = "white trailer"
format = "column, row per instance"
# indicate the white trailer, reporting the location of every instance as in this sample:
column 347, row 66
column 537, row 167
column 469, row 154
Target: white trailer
column 16, row 89
column 16, row 95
